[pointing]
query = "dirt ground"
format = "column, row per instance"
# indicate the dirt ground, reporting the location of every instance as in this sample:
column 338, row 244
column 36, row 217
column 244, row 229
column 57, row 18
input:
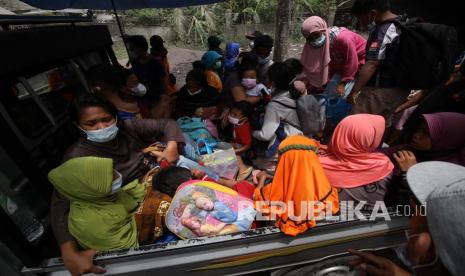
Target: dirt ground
column 181, row 62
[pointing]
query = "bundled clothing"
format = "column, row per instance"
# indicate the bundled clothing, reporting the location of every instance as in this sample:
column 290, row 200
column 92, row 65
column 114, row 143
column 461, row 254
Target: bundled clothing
column 352, row 161
column 299, row 178
column 281, row 110
column 99, row 218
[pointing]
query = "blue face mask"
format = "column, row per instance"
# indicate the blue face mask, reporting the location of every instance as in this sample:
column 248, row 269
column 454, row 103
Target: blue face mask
column 102, row 135
column 319, row 41
column 117, row 183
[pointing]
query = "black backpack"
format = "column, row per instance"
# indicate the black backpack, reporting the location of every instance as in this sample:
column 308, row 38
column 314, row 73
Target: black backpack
column 425, row 57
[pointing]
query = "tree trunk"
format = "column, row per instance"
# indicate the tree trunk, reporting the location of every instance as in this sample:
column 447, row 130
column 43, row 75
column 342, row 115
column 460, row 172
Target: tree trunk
column 283, row 23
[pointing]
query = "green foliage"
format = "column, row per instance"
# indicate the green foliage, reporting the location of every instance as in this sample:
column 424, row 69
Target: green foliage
column 192, row 25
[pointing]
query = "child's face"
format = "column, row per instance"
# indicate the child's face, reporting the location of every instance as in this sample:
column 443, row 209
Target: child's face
column 249, row 79
column 204, row 203
column 237, row 114
column 249, row 74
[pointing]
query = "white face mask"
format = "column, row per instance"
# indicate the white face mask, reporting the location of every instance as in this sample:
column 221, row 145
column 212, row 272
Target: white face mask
column 319, row 41
column 233, row 121
column 192, row 93
column 117, row 183
column 251, row 44
column 140, row 90
column 103, row 135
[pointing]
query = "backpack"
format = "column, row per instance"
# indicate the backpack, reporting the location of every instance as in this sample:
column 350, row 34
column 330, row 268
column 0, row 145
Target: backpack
column 311, row 113
column 425, row 57
column 230, row 213
column 196, row 129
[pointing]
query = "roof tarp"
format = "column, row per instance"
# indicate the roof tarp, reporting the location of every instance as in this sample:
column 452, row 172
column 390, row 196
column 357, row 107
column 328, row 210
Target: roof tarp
column 120, row 4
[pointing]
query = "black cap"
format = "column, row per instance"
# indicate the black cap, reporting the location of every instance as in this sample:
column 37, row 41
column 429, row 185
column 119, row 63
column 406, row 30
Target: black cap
column 253, row 35
column 264, row 41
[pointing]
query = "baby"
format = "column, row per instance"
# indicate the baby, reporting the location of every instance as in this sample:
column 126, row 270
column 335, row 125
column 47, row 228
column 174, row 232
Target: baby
column 248, row 77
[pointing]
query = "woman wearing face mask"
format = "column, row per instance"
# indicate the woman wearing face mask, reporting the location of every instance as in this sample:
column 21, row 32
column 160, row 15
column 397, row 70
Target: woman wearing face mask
column 211, row 62
column 123, row 142
column 331, row 53
column 195, row 94
column 120, row 87
column 99, row 203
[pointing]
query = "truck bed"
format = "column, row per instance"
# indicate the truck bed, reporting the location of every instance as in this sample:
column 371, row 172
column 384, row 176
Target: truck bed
column 257, row 250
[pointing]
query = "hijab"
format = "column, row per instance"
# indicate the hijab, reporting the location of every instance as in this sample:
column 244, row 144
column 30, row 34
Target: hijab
column 99, row 219
column 209, row 59
column 316, row 60
column 299, row 178
column 232, row 53
column 352, row 160
column 447, row 132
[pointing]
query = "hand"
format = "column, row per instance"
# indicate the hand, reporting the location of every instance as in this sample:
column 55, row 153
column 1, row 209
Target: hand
column 377, row 266
column 224, row 118
column 79, row 262
column 170, row 154
column 341, row 89
column 262, row 177
column 406, row 159
column 198, row 174
column 352, row 98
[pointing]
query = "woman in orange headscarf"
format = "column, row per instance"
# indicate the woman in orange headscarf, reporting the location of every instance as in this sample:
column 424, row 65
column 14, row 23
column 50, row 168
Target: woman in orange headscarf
column 300, row 184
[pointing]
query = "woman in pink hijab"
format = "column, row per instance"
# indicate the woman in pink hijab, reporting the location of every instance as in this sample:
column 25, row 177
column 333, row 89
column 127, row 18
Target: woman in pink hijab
column 351, row 162
column 331, row 52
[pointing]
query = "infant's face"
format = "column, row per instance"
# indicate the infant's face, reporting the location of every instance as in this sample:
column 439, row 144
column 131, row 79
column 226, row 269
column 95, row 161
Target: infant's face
column 204, row 203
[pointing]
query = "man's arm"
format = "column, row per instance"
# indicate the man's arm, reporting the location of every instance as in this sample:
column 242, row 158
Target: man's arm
column 366, row 73
column 238, row 93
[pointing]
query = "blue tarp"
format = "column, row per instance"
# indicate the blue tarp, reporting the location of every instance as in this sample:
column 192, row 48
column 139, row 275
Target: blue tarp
column 120, row 4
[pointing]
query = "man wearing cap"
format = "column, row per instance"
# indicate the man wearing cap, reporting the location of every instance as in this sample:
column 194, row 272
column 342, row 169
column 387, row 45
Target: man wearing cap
column 262, row 48
column 251, row 37
column 436, row 243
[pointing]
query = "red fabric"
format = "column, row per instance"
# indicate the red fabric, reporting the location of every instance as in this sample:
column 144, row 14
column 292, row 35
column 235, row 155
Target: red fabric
column 243, row 134
column 245, row 189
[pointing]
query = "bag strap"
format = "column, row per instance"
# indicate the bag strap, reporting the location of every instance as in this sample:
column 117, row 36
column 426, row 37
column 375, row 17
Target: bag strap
column 285, row 105
column 290, row 107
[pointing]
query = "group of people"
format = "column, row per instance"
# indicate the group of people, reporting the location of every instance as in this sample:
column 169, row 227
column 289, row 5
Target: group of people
column 251, row 102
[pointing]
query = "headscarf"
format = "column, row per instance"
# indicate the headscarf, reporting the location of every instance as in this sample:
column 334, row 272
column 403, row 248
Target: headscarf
column 232, row 52
column 98, row 219
column 316, row 60
column 351, row 160
column 447, row 132
column 209, row 59
column 299, row 178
